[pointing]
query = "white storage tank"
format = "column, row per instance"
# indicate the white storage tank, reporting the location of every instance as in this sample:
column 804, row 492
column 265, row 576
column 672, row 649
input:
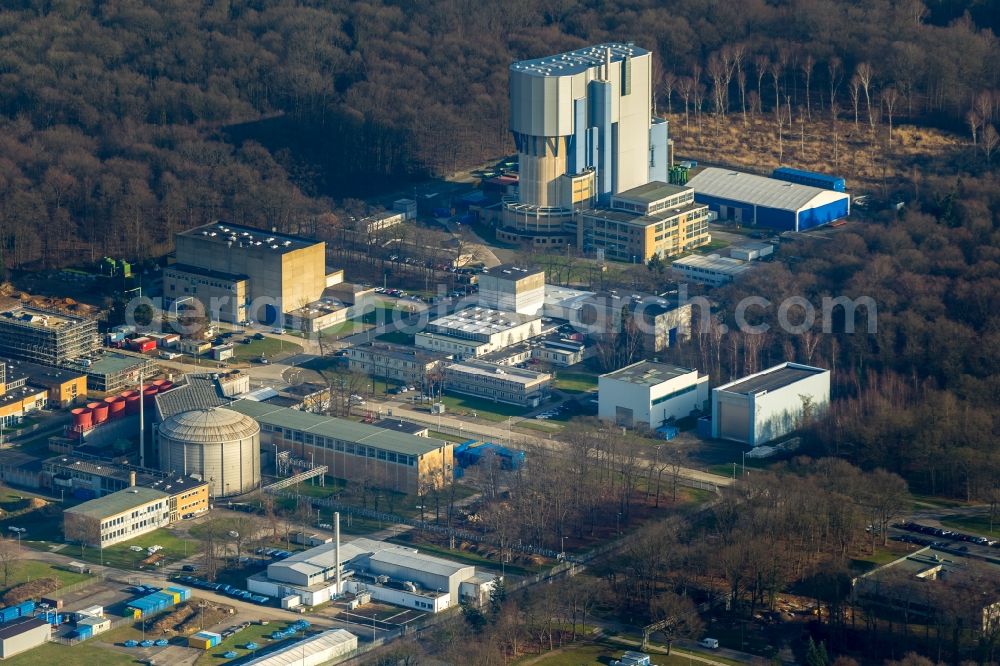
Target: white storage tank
column 217, row 445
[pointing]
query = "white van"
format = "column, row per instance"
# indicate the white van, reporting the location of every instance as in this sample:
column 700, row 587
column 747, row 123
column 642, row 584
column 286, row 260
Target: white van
column 710, row 643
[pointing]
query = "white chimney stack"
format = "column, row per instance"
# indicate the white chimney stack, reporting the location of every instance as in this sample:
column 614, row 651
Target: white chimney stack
column 336, row 547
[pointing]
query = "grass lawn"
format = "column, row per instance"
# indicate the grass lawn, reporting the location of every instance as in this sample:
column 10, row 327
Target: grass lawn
column 43, row 525
column 119, row 555
column 543, row 426
column 881, row 556
column 486, row 410
column 348, row 327
column 28, row 570
column 934, row 502
column 84, row 654
column 975, row 524
column 575, row 382
column 267, row 347
column 255, row 633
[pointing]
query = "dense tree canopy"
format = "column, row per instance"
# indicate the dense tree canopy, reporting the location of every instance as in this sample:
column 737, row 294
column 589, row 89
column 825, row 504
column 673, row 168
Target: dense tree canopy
column 115, row 114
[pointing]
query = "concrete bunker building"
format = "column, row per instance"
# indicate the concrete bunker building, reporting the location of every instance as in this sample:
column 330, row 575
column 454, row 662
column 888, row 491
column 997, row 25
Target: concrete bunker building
column 767, row 405
column 238, row 266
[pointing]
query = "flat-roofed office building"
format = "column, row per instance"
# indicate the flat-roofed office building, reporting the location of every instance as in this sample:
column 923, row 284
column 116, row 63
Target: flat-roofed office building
column 516, row 386
column 117, row 517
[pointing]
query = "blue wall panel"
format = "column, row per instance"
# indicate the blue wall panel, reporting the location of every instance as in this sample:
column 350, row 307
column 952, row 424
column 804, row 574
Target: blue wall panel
column 776, row 218
column 825, row 214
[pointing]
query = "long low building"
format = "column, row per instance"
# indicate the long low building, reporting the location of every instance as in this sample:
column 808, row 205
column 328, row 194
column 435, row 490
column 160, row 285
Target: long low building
column 117, row 517
column 766, row 405
column 712, row 270
column 477, row 331
column 23, row 634
column 322, row 648
column 390, row 573
column 753, row 200
column 515, row 386
column 352, row 450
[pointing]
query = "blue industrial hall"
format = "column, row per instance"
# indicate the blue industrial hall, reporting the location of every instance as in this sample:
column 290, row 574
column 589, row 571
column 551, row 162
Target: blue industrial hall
column 766, row 202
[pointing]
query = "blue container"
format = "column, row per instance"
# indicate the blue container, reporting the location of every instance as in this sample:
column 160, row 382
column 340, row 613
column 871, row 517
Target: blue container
column 9, row 613
column 131, row 644
column 85, row 631
column 162, row 642
column 27, row 608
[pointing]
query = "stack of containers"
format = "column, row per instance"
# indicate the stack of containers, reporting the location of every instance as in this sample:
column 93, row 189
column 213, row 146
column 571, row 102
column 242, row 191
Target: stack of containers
column 158, row 601
column 204, row 640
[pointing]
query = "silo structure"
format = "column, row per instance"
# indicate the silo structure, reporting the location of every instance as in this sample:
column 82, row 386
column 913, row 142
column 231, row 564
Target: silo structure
column 217, row 445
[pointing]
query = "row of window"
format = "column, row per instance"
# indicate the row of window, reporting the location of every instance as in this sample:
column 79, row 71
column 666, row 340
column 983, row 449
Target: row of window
column 675, row 394
column 339, row 446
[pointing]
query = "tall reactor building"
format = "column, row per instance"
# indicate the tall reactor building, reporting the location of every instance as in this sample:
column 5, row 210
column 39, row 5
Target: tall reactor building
column 583, row 126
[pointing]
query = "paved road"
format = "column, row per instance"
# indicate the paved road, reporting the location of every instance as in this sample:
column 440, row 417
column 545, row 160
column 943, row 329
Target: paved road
column 500, row 432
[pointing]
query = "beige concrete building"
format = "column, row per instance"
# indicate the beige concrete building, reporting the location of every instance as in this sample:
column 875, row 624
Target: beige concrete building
column 477, row 331
column 399, row 363
column 512, row 289
column 655, row 219
column 278, row 273
column 515, row 386
column 117, row 517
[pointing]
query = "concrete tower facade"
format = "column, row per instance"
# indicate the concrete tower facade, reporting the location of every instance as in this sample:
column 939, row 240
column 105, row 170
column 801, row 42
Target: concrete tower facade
column 583, row 129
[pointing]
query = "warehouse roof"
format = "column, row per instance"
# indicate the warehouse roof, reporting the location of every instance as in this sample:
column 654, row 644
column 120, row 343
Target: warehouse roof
column 648, row 373
column 115, row 503
column 20, row 625
column 335, row 428
column 580, row 60
column 299, row 651
column 713, row 263
column 771, row 379
column 479, row 320
column 411, row 559
column 113, row 363
column 759, row 190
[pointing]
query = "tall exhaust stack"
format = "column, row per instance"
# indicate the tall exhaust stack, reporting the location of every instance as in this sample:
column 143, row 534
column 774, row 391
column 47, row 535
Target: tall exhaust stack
column 336, row 547
column 607, row 64
column 131, row 479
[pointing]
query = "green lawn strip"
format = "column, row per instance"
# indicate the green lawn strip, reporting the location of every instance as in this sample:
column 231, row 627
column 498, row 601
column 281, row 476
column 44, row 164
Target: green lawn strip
column 486, row 410
column 121, row 556
column 935, row 502
column 84, row 654
column 539, row 426
column 446, row 437
column 575, row 382
column 24, row 571
column 975, row 524
column 255, row 633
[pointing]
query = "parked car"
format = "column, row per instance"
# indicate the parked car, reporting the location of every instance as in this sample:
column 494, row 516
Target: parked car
column 710, row 643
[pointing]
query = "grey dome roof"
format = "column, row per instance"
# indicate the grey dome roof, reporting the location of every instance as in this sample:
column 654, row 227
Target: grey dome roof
column 209, row 426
